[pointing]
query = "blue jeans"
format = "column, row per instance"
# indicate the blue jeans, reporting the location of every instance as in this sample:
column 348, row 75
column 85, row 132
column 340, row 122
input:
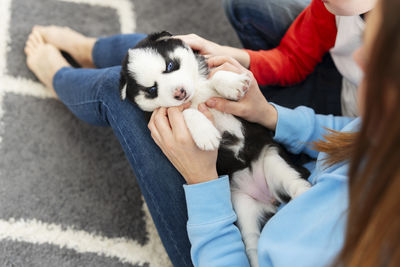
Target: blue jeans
column 93, row 96
column 260, row 25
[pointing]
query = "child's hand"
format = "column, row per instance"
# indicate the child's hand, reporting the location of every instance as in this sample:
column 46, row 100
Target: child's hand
column 209, row 48
column 200, row 44
column 253, row 106
column 171, row 134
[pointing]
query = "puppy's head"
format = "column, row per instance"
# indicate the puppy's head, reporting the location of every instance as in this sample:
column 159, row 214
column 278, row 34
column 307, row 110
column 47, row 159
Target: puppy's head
column 159, row 71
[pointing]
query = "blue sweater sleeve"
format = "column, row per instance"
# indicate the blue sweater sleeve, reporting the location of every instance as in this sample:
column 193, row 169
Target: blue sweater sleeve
column 215, row 240
column 297, row 128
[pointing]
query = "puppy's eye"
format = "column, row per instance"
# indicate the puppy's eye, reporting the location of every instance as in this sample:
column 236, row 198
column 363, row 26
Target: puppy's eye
column 151, row 92
column 170, row 66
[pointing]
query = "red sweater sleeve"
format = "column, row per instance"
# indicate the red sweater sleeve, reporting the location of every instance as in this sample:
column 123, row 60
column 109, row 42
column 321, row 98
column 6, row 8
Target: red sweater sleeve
column 310, row 36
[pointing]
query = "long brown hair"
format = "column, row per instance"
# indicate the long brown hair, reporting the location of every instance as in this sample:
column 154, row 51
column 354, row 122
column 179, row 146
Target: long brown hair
column 373, row 226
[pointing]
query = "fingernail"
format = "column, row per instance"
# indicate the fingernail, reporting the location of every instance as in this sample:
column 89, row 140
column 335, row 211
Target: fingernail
column 211, row 103
column 202, row 107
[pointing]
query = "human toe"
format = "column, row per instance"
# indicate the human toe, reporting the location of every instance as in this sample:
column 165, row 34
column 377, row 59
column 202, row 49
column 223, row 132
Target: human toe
column 37, row 37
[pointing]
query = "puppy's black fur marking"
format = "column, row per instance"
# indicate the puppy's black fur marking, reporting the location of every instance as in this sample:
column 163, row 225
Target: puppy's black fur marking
column 203, row 66
column 229, row 139
column 262, row 220
column 256, row 138
column 158, row 42
column 283, row 197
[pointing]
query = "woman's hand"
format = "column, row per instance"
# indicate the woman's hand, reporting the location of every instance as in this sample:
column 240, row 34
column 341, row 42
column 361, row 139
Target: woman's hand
column 253, row 106
column 169, row 131
column 206, row 47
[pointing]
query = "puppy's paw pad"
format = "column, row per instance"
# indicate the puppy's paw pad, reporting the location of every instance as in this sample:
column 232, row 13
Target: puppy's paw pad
column 231, row 85
column 245, row 85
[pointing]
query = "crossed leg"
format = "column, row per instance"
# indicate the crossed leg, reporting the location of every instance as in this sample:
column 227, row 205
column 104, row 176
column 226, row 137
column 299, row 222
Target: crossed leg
column 93, row 96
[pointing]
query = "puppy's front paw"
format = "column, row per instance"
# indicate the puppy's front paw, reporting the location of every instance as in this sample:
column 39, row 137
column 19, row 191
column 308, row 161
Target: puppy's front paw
column 204, row 133
column 231, row 85
column 300, row 187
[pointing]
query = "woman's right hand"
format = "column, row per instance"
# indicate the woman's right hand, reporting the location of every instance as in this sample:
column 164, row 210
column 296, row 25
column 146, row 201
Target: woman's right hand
column 253, row 106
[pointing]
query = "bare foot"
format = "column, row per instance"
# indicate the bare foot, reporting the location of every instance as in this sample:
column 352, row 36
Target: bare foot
column 44, row 60
column 76, row 44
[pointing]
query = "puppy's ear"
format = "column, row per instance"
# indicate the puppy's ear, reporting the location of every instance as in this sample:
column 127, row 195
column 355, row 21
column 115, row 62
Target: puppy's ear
column 153, row 38
column 158, row 36
column 122, row 87
column 123, row 92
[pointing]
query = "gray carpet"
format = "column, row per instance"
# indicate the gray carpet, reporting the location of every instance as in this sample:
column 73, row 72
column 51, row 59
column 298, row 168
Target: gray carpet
column 68, row 196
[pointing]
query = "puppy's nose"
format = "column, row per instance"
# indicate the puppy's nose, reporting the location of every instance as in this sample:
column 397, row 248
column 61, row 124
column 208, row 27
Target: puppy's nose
column 180, row 93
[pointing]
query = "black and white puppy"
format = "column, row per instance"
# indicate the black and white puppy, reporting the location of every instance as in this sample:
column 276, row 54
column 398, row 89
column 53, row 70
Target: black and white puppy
column 161, row 71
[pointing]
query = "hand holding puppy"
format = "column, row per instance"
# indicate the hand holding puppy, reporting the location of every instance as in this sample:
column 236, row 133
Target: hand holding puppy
column 209, row 48
column 253, row 106
column 169, row 131
column 203, row 46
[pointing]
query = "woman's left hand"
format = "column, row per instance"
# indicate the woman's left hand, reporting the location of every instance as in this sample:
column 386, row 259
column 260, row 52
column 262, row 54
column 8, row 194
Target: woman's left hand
column 169, row 131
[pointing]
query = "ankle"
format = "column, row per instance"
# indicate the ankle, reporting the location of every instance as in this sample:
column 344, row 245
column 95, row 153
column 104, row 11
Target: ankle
column 88, row 50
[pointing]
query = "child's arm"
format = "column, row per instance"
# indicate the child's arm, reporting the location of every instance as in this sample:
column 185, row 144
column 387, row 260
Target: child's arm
column 310, row 36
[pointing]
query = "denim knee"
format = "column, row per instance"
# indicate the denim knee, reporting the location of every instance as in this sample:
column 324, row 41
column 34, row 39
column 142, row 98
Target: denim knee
column 260, row 24
column 230, row 8
column 269, row 8
column 84, row 91
column 252, row 21
column 108, row 91
column 110, row 51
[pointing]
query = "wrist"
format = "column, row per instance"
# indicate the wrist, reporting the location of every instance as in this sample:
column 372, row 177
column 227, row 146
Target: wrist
column 201, row 177
column 215, row 49
column 270, row 117
column 239, row 54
